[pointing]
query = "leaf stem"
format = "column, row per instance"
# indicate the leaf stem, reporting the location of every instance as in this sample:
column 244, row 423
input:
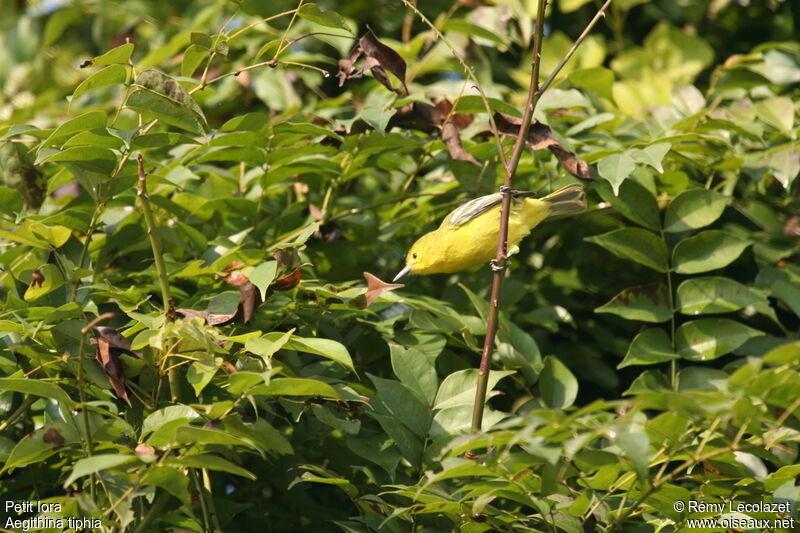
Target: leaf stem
column 158, row 260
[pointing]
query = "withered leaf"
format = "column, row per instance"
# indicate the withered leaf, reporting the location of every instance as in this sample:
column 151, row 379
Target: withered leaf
column 144, row 451
column 250, row 299
column 287, row 282
column 212, row 319
column 452, row 140
column 375, row 288
column 112, row 366
column 385, row 56
column 541, row 136
column 288, row 260
column 379, row 59
column 116, row 340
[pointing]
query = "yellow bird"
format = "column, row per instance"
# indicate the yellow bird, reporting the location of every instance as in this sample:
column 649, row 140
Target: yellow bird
column 468, row 236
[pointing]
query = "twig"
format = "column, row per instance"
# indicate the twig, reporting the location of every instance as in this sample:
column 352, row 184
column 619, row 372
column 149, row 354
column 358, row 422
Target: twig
column 499, row 264
column 158, row 260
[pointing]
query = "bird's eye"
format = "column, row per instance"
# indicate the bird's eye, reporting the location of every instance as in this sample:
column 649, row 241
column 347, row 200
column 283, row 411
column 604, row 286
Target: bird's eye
column 414, row 255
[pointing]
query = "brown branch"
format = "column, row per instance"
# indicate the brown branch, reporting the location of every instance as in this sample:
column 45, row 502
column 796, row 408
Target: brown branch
column 499, row 263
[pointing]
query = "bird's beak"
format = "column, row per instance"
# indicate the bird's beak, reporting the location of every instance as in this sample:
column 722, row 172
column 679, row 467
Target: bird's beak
column 402, row 273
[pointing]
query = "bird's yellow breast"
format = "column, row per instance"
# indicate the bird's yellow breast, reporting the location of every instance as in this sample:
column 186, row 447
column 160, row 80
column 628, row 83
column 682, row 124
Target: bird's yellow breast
column 455, row 248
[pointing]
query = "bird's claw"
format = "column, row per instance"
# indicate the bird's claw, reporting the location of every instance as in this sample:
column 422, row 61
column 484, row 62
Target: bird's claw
column 499, row 266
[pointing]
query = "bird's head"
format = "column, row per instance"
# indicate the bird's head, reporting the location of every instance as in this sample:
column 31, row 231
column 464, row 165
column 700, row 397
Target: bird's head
column 421, row 257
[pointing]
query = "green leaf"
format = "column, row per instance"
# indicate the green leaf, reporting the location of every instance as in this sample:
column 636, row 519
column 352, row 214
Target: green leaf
column 635, row 202
column 192, row 58
column 635, row 244
column 708, row 338
column 200, row 373
column 458, row 388
column 93, row 158
column 96, row 463
column 468, row 28
column 333, row 350
column 330, row 19
column 41, row 444
column 36, row 388
column 715, row 295
column 85, row 122
column 120, row 54
column 404, row 405
column 474, row 104
column 415, row 371
column 111, row 75
column 167, row 414
column 785, row 354
column 10, row 201
column 557, row 384
column 155, row 105
column 635, row 446
column 597, row 79
column 201, row 39
column 708, row 250
column 789, row 293
column 59, row 21
column 648, row 303
column 52, row 281
column 211, row 462
column 615, row 168
column 778, row 112
column 262, row 275
column 165, row 99
column 168, row 478
column 692, row 209
column 649, row 347
column 297, row 387
column 653, row 155
column 196, row 435
column 268, row 344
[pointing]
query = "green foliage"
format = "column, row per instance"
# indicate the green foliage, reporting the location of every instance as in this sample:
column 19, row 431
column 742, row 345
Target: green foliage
column 647, row 351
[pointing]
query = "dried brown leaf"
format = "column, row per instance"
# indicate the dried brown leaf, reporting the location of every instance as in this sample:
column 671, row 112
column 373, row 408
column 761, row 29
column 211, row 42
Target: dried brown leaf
column 375, row 288
column 387, row 58
column 144, row 451
column 112, row 367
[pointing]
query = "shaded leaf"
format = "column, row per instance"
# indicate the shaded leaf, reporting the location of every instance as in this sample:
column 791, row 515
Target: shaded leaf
column 635, row 244
column 120, row 54
column 649, row 347
column 708, row 338
column 331, row 19
column 112, row 366
column 692, row 209
column 557, row 385
column 648, row 303
column 715, row 295
column 111, row 75
column 615, row 168
column 708, row 250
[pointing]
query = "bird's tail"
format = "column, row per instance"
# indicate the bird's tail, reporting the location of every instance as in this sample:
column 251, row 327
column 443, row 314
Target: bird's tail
column 568, row 200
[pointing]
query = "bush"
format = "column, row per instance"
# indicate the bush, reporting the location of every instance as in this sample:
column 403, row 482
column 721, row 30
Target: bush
column 187, row 344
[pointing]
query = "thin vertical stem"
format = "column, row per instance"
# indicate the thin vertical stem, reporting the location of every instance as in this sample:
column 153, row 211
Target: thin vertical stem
column 673, row 365
column 499, row 264
column 161, row 270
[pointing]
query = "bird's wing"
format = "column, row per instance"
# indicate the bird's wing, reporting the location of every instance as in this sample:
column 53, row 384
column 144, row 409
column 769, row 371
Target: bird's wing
column 477, row 207
column 471, row 209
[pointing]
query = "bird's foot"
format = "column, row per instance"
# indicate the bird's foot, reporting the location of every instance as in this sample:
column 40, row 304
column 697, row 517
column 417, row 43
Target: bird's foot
column 499, row 266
